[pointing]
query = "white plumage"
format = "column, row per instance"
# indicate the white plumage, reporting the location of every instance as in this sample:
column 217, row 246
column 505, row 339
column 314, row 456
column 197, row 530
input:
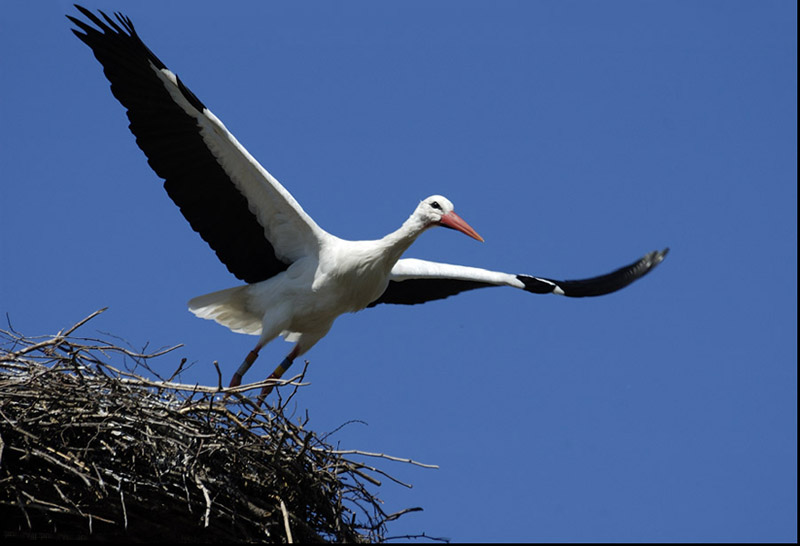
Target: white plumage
column 298, row 277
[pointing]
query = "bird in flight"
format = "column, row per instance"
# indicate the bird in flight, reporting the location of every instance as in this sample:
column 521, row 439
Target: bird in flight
column 298, row 277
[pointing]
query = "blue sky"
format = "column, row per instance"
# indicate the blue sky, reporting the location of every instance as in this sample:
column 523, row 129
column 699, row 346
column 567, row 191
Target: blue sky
column 573, row 136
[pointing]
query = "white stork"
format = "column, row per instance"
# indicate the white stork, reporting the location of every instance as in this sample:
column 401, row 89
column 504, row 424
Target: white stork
column 298, row 277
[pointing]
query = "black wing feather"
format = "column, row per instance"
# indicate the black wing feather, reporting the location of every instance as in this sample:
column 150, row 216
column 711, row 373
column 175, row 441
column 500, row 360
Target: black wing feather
column 175, row 150
column 596, row 286
column 421, row 290
column 413, row 291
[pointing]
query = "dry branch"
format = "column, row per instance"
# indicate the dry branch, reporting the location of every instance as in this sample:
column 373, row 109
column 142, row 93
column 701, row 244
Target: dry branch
column 93, row 451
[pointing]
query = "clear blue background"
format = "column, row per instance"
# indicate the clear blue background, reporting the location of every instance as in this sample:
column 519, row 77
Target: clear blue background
column 574, row 136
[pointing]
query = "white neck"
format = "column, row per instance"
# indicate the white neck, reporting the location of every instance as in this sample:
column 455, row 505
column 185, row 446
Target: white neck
column 397, row 242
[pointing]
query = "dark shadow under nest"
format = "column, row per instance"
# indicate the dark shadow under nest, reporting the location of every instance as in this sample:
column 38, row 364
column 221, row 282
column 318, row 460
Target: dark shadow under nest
column 89, row 451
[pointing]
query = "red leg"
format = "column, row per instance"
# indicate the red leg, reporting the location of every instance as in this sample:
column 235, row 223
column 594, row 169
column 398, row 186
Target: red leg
column 236, row 380
column 279, row 371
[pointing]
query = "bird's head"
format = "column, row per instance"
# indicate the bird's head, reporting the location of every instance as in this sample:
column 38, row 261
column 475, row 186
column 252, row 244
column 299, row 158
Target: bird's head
column 437, row 210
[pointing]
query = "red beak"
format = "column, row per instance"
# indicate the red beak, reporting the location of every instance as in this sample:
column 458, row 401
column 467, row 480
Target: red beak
column 454, row 221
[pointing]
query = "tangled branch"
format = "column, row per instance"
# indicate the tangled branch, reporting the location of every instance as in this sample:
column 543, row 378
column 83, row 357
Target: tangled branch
column 94, row 450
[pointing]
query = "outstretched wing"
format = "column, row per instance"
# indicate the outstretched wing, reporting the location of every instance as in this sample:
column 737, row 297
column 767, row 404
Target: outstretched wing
column 417, row 281
column 253, row 224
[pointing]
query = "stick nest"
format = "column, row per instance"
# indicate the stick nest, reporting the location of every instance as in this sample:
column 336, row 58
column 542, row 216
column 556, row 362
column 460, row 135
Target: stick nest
column 90, row 451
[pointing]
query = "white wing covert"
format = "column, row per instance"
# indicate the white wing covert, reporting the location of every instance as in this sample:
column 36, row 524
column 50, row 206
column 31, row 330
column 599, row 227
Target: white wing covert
column 415, row 281
column 253, row 224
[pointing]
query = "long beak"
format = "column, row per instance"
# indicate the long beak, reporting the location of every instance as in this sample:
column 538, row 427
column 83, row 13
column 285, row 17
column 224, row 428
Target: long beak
column 454, row 221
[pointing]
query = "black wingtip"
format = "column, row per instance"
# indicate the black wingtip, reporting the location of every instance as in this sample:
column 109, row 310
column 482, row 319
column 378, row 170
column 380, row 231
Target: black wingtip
column 596, row 286
column 657, row 256
column 105, row 25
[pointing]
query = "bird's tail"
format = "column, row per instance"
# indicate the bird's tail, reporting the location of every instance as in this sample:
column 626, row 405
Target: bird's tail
column 229, row 308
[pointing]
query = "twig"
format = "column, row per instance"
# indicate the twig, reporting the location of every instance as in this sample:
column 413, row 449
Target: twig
column 383, row 456
column 122, row 503
column 417, row 537
column 207, row 498
column 63, row 334
column 178, row 370
column 392, row 517
column 71, row 422
column 219, row 375
column 286, row 523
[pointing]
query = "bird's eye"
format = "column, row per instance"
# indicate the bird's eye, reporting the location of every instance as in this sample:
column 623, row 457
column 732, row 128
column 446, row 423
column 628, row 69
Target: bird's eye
column 436, row 205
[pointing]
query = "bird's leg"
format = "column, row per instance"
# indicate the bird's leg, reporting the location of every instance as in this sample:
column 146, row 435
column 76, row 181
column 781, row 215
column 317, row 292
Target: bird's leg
column 236, row 380
column 279, row 371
